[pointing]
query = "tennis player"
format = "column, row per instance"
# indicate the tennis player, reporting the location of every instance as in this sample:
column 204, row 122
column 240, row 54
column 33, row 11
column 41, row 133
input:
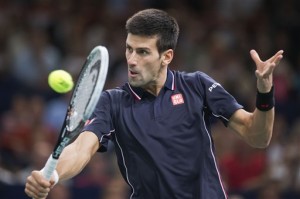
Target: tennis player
column 159, row 120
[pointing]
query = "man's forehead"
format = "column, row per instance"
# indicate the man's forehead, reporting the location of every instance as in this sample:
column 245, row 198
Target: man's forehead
column 138, row 41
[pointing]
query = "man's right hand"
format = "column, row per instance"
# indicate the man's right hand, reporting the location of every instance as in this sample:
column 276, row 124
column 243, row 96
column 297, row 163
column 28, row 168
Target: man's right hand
column 37, row 186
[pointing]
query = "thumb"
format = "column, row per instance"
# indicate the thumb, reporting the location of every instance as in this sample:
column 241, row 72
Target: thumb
column 54, row 178
column 52, row 183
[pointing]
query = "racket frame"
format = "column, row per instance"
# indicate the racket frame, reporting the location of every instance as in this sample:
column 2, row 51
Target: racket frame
column 67, row 136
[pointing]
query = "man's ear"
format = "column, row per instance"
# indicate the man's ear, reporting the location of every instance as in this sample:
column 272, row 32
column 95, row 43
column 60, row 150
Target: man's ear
column 167, row 57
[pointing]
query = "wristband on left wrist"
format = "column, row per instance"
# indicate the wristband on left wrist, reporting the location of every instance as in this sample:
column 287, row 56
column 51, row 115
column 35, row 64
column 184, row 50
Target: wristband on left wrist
column 265, row 101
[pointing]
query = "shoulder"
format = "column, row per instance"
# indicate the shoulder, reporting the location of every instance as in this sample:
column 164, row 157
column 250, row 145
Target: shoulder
column 193, row 77
column 116, row 91
column 117, row 94
column 190, row 75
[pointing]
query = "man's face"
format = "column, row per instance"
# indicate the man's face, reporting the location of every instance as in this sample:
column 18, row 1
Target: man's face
column 144, row 61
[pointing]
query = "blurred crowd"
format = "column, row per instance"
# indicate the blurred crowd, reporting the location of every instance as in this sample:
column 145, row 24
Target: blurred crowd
column 38, row 36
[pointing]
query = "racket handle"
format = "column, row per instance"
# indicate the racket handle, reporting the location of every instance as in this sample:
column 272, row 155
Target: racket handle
column 50, row 167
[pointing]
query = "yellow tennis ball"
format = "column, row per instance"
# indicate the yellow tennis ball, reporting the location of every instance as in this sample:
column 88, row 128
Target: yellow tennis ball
column 60, row 81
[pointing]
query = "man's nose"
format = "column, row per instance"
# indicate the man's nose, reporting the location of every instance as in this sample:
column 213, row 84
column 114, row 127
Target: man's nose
column 132, row 59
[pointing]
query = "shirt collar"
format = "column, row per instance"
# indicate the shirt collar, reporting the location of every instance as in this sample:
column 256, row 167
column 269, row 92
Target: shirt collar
column 169, row 84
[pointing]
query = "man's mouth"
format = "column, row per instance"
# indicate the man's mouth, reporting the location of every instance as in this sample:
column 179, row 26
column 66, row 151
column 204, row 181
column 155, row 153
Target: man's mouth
column 132, row 73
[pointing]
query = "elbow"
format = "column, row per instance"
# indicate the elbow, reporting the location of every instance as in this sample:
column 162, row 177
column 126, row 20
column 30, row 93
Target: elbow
column 266, row 143
column 260, row 142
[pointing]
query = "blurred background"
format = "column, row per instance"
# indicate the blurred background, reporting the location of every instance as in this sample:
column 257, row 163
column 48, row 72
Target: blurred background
column 38, row 36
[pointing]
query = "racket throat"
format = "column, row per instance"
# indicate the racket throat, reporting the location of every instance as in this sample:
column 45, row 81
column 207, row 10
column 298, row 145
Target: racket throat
column 61, row 145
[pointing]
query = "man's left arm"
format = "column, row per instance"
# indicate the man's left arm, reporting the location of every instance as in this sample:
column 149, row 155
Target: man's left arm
column 256, row 127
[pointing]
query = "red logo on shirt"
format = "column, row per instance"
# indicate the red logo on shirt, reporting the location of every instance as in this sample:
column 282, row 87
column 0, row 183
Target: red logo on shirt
column 89, row 122
column 177, row 99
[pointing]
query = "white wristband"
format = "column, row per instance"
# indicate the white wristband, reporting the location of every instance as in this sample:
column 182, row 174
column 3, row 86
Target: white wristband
column 54, row 175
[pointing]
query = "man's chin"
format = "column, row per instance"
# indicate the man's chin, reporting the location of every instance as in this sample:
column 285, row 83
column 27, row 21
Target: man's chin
column 137, row 82
column 134, row 83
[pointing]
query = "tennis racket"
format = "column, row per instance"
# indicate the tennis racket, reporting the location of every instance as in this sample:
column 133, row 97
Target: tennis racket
column 84, row 98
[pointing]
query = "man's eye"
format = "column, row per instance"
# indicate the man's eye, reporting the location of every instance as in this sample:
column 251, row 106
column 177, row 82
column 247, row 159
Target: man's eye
column 143, row 52
column 129, row 49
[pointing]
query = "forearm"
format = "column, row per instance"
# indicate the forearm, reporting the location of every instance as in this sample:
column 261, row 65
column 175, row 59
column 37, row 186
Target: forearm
column 260, row 131
column 263, row 116
column 71, row 162
column 255, row 128
column 76, row 155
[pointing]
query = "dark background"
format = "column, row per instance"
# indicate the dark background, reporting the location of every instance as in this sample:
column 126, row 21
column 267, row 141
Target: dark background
column 38, row 36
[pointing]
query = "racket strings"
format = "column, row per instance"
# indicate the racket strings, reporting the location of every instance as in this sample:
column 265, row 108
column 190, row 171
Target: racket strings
column 83, row 92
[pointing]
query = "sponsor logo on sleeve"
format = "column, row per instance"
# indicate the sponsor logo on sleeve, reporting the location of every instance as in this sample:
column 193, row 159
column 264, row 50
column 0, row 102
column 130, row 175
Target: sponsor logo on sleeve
column 213, row 86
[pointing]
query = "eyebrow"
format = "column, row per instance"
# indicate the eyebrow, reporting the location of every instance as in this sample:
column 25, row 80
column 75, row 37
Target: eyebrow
column 139, row 48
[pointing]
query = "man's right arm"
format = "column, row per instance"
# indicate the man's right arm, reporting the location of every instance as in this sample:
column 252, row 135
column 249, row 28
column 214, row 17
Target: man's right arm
column 72, row 160
column 76, row 155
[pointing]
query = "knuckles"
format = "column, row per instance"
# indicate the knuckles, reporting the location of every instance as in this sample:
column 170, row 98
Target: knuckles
column 36, row 187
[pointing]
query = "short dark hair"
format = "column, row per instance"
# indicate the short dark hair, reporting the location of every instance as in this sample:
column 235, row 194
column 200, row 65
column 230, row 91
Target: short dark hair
column 154, row 22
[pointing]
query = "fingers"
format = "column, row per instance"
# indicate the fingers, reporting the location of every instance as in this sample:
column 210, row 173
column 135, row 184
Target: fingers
column 274, row 59
column 277, row 57
column 266, row 67
column 34, row 193
column 255, row 57
column 266, row 72
column 36, row 186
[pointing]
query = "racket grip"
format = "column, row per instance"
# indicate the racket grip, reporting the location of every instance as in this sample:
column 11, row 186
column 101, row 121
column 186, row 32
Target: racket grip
column 50, row 167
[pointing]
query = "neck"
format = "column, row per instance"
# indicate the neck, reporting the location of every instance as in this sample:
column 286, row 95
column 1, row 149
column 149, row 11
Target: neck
column 155, row 87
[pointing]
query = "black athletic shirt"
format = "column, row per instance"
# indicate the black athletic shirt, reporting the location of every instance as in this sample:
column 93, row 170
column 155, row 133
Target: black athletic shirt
column 163, row 144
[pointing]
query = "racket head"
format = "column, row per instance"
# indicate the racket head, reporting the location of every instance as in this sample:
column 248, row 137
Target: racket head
column 86, row 93
column 102, row 53
column 88, row 88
